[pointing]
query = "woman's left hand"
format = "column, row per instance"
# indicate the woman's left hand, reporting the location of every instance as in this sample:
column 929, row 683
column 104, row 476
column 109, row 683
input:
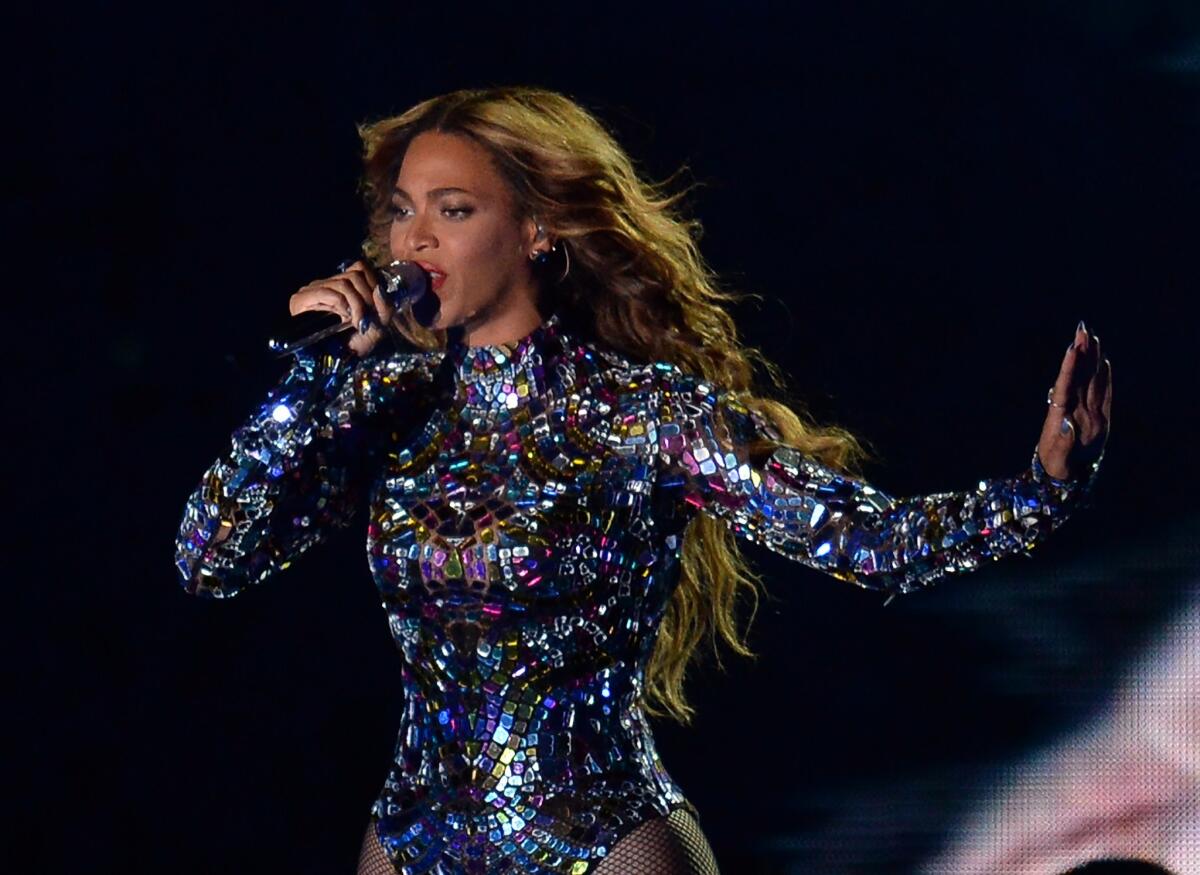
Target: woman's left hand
column 1076, row 424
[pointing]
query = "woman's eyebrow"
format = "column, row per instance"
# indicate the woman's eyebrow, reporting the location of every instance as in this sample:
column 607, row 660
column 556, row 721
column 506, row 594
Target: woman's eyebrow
column 433, row 193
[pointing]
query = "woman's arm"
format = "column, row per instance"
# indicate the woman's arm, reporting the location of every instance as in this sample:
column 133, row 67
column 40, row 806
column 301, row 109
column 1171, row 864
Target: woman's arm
column 811, row 513
column 295, row 471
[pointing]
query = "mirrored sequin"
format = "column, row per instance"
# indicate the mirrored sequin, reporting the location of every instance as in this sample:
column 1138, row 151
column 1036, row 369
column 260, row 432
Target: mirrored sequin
column 525, row 538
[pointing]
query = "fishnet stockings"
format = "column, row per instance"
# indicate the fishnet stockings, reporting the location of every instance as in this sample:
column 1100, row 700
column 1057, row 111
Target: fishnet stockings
column 371, row 859
column 671, row 845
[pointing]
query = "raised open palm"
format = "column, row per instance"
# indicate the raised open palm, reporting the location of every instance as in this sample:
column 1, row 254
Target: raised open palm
column 1076, row 425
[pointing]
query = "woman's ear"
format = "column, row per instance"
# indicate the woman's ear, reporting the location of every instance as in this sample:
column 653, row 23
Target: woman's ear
column 535, row 235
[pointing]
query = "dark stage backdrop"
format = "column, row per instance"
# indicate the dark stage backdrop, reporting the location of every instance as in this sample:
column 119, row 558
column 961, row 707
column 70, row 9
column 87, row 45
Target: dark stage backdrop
column 927, row 197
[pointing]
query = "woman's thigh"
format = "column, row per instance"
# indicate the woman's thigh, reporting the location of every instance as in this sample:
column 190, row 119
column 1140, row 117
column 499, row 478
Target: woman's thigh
column 371, row 859
column 671, row 845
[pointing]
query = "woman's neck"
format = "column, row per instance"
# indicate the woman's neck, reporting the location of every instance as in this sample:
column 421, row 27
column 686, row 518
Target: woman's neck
column 516, row 321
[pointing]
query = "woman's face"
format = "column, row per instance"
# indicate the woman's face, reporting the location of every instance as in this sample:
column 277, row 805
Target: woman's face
column 455, row 215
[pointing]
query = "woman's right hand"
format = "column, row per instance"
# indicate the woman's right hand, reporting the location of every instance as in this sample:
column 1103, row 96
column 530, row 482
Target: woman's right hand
column 355, row 296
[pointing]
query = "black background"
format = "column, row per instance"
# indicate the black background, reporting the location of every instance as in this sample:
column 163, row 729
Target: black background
column 927, row 196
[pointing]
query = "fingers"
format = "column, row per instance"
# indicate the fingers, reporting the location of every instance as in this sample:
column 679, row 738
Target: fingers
column 353, row 287
column 1084, row 360
column 1059, row 433
column 1096, row 386
column 1094, row 405
column 351, row 296
column 1061, row 393
column 1080, row 415
column 362, row 285
column 387, row 313
column 382, row 305
column 1081, row 336
column 1099, row 406
column 318, row 297
column 1087, row 356
column 1095, row 361
column 1076, row 425
column 1106, row 405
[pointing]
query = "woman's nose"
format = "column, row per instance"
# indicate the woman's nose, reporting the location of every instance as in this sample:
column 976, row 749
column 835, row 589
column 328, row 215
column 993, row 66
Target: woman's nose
column 420, row 234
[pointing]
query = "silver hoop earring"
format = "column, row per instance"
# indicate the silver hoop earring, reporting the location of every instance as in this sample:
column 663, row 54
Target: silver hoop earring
column 566, row 259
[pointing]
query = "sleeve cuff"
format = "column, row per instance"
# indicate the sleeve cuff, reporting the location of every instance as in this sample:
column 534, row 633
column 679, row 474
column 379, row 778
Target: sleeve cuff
column 1071, row 486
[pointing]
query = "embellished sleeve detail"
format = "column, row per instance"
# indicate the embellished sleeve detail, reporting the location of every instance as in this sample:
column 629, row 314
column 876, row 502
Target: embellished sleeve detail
column 293, row 473
column 809, row 512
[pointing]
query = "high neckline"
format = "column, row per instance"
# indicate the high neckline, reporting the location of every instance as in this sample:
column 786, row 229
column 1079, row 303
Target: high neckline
column 489, row 361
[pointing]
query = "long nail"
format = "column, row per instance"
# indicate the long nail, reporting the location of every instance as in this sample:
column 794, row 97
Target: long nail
column 364, row 324
column 1065, row 428
column 1081, row 327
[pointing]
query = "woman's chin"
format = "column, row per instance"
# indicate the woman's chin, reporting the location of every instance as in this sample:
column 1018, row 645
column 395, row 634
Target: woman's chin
column 434, row 312
column 450, row 316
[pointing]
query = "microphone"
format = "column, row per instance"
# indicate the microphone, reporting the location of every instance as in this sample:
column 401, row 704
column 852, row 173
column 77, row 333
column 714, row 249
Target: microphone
column 404, row 284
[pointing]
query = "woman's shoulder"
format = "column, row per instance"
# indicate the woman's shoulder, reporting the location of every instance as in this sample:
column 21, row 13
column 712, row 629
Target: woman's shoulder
column 628, row 374
column 680, row 385
column 610, row 361
column 624, row 374
column 667, row 391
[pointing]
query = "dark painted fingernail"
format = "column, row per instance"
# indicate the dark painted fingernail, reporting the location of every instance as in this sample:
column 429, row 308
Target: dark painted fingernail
column 364, row 324
column 1081, row 327
column 1065, row 428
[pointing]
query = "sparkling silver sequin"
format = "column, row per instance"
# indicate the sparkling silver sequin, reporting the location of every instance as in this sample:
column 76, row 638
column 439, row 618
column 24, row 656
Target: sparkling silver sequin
column 525, row 541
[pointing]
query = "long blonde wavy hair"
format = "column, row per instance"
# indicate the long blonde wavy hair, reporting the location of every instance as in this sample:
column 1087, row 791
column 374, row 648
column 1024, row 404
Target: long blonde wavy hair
column 638, row 278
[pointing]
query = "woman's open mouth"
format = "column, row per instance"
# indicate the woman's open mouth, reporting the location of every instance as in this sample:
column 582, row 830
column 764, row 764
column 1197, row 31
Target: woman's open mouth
column 436, row 277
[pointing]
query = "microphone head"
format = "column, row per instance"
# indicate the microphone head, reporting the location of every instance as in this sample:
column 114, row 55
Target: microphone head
column 404, row 282
column 407, row 284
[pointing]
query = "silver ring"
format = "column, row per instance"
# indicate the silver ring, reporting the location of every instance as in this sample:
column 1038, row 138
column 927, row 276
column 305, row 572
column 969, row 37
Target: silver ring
column 1050, row 400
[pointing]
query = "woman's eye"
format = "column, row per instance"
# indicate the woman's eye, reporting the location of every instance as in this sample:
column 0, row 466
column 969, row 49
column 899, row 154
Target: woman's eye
column 399, row 211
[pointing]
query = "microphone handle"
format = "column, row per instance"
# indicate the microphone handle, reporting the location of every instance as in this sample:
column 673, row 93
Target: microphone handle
column 309, row 338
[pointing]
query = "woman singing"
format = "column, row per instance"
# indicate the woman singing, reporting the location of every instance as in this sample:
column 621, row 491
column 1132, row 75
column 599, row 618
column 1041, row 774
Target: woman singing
column 555, row 471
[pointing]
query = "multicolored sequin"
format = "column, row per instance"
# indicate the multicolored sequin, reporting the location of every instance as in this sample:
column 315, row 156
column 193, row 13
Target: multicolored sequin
column 524, row 533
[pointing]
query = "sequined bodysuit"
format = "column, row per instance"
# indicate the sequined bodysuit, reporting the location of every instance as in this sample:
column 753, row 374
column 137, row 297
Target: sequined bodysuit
column 526, row 511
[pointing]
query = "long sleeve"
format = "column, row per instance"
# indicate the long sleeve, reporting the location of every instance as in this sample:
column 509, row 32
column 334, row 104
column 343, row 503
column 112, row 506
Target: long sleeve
column 811, row 513
column 295, row 471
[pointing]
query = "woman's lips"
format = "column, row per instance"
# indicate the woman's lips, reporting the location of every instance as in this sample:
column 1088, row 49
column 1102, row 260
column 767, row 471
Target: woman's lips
column 436, row 277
